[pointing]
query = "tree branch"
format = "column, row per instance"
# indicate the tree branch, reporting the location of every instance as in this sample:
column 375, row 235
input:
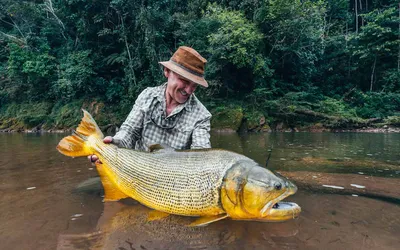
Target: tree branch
column 49, row 8
column 20, row 41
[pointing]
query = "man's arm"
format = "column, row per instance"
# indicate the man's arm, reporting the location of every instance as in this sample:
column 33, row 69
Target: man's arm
column 131, row 129
column 201, row 134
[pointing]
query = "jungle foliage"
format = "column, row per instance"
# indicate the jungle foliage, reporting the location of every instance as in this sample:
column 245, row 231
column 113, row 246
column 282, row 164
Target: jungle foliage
column 278, row 57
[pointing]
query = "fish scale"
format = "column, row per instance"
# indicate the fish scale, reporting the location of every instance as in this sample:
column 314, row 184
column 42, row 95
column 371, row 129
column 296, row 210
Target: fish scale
column 181, row 183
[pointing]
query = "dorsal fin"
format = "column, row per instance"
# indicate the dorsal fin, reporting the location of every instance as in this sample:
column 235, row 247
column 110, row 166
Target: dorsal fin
column 155, row 147
column 160, row 147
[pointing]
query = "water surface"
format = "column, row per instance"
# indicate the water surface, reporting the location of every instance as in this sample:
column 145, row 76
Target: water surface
column 40, row 207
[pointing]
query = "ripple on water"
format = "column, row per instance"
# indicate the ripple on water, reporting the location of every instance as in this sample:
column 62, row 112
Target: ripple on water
column 357, row 186
column 332, row 186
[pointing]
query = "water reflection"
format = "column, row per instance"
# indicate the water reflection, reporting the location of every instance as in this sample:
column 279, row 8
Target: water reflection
column 327, row 221
column 53, row 215
column 124, row 225
column 289, row 150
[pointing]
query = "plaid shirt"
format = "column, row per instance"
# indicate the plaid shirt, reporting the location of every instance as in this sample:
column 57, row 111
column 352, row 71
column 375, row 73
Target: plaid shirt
column 187, row 127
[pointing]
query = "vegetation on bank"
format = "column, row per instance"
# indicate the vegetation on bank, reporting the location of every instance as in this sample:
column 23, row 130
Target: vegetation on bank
column 272, row 65
column 44, row 116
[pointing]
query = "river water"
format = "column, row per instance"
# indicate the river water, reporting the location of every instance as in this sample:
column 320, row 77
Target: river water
column 348, row 190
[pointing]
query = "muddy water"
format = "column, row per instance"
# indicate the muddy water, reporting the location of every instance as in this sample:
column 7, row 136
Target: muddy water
column 348, row 190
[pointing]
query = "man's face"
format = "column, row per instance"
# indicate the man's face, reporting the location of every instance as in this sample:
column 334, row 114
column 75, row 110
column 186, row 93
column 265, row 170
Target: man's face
column 179, row 88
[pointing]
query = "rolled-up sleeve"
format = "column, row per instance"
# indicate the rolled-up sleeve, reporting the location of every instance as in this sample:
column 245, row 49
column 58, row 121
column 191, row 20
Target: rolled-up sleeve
column 201, row 134
column 132, row 127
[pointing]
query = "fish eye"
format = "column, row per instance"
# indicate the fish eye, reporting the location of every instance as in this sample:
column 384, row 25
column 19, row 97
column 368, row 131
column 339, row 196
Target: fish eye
column 278, row 186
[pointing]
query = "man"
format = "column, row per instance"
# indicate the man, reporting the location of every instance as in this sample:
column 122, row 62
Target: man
column 169, row 114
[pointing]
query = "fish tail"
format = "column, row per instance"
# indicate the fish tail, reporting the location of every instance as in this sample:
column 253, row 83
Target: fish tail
column 77, row 144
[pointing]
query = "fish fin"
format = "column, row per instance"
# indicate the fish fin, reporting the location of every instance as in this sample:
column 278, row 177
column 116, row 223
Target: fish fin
column 75, row 144
column 155, row 147
column 205, row 220
column 111, row 191
column 156, row 215
column 90, row 185
column 89, row 127
column 159, row 147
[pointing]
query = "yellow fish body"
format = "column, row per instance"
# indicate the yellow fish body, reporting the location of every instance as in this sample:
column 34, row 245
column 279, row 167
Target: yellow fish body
column 211, row 183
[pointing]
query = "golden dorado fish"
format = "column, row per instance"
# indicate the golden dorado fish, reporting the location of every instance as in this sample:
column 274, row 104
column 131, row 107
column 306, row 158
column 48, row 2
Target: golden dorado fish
column 211, row 183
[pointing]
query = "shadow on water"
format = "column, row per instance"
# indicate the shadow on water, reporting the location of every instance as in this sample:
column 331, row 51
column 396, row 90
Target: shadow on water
column 124, row 225
column 41, row 209
column 327, row 221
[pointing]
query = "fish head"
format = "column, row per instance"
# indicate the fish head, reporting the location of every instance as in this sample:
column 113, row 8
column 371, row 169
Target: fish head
column 251, row 192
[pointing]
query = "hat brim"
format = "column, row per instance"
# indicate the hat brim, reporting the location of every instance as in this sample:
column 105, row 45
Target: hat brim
column 182, row 72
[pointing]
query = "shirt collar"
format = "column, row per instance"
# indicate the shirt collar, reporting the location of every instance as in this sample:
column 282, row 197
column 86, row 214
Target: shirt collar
column 188, row 105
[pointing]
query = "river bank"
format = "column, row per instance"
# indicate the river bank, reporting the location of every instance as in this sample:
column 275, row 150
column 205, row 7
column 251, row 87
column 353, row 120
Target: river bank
column 47, row 117
column 313, row 130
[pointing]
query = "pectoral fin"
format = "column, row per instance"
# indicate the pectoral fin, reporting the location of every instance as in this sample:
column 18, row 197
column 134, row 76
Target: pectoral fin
column 205, row 220
column 156, row 215
column 111, row 191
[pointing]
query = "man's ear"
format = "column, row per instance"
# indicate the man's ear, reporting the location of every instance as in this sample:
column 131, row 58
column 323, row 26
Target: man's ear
column 166, row 72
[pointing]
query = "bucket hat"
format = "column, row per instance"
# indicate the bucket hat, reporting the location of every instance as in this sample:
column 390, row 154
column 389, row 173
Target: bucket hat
column 189, row 64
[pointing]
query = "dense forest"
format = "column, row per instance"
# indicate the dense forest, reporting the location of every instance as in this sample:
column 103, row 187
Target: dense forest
column 271, row 63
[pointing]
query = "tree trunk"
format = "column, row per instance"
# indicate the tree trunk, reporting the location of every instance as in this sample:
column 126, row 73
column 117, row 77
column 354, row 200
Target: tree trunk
column 356, row 10
column 347, row 30
column 49, row 8
column 362, row 19
column 133, row 76
column 372, row 75
column 398, row 58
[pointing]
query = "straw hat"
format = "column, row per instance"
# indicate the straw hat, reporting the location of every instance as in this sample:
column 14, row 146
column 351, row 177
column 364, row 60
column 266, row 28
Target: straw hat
column 189, row 64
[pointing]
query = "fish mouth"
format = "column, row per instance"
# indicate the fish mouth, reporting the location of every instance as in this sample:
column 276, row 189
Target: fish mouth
column 284, row 205
column 278, row 210
column 274, row 204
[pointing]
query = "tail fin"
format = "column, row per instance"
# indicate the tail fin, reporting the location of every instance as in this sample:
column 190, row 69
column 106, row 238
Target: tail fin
column 75, row 144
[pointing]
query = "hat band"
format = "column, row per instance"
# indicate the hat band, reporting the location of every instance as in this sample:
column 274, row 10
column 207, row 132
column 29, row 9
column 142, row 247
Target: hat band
column 188, row 70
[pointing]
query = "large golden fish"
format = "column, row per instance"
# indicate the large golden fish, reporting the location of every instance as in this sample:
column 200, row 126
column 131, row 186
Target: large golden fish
column 211, row 183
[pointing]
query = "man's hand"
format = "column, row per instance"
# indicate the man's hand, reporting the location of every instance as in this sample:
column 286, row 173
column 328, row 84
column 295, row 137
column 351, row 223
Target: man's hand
column 93, row 158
